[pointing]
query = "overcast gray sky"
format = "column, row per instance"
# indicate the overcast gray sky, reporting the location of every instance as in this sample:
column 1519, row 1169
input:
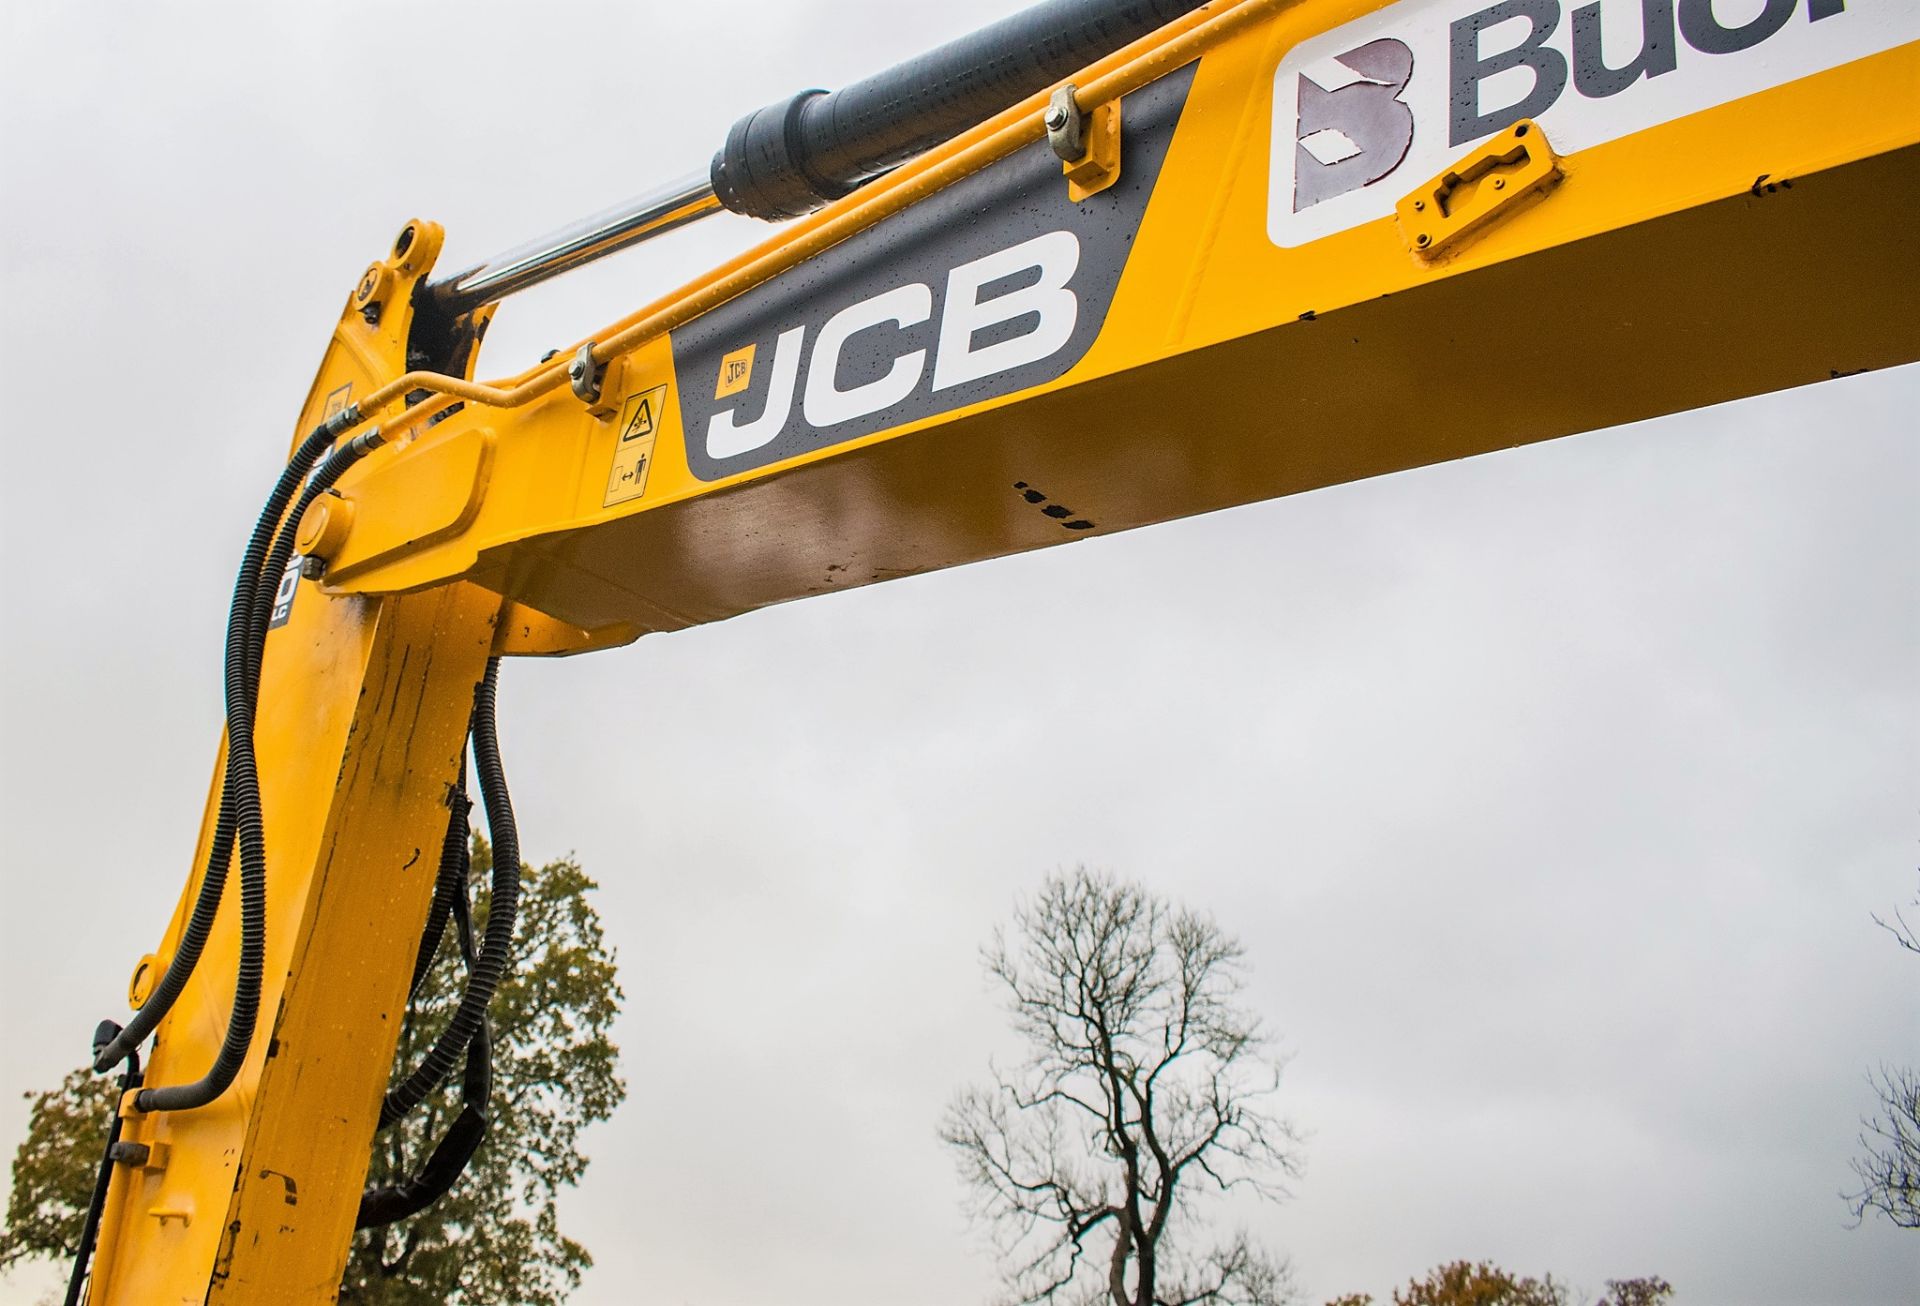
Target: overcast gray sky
column 1550, row 791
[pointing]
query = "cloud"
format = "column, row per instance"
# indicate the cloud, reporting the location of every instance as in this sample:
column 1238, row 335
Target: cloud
column 1550, row 791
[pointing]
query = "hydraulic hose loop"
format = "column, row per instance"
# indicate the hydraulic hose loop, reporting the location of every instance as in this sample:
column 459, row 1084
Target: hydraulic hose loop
column 245, row 640
column 199, row 925
column 496, row 947
column 455, row 1150
column 449, row 1160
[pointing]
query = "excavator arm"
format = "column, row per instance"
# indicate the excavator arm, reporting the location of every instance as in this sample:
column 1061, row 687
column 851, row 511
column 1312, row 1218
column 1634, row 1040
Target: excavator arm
column 1161, row 260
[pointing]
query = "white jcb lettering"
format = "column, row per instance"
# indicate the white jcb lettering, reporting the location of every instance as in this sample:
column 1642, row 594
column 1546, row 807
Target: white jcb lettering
column 965, row 316
column 826, row 404
column 727, row 438
column 1056, row 255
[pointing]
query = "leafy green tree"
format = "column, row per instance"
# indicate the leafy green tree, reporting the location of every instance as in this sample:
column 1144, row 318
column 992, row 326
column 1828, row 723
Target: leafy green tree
column 1653, row 1291
column 1144, row 1089
column 1466, row 1283
column 496, row 1236
column 55, row 1168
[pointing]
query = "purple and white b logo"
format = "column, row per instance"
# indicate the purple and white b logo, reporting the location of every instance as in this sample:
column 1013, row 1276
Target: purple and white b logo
column 1357, row 133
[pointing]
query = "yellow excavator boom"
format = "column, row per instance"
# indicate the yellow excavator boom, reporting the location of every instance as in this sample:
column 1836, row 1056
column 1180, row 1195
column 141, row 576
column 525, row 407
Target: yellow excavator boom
column 1267, row 246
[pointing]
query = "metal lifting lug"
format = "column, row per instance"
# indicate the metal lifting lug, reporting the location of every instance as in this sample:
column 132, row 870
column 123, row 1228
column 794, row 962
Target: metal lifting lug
column 585, row 374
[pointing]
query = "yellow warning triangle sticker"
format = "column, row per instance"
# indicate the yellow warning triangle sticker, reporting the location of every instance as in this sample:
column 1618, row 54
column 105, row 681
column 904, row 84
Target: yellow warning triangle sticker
column 642, row 422
column 641, row 418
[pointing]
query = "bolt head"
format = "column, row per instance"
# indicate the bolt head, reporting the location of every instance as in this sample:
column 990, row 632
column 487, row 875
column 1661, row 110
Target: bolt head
column 1056, row 118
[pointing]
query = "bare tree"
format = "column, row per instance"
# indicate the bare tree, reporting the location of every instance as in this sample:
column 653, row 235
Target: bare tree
column 1889, row 1167
column 1141, row 1091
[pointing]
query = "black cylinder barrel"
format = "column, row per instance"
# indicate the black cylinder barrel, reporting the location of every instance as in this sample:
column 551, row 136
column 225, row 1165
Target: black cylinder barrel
column 798, row 153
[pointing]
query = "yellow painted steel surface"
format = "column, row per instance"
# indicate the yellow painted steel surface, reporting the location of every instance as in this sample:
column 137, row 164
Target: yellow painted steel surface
column 1655, row 277
column 1755, row 243
column 364, row 708
column 253, row 1197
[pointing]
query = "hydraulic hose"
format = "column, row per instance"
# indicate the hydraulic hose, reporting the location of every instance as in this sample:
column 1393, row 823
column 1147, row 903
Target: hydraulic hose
column 450, row 1156
column 448, row 886
column 496, row 949
column 90, row 1227
column 456, row 1147
column 199, row 925
column 245, row 640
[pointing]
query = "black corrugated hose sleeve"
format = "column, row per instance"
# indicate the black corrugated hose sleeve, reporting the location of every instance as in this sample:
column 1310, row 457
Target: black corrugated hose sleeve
column 450, row 1157
column 455, row 863
column 243, row 652
column 220, row 853
column 496, row 949
column 463, row 1137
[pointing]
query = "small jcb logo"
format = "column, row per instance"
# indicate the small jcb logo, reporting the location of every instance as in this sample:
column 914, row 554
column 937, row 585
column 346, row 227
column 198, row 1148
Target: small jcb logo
column 736, row 373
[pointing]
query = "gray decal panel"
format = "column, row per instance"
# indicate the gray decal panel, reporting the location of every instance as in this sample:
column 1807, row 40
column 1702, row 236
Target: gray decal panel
column 906, row 309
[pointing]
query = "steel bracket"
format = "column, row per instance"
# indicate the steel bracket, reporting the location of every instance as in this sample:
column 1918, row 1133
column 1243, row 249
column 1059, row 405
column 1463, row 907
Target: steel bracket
column 1088, row 143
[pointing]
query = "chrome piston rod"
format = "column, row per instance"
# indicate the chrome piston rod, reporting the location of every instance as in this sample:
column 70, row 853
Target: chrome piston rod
column 796, row 154
column 640, row 218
